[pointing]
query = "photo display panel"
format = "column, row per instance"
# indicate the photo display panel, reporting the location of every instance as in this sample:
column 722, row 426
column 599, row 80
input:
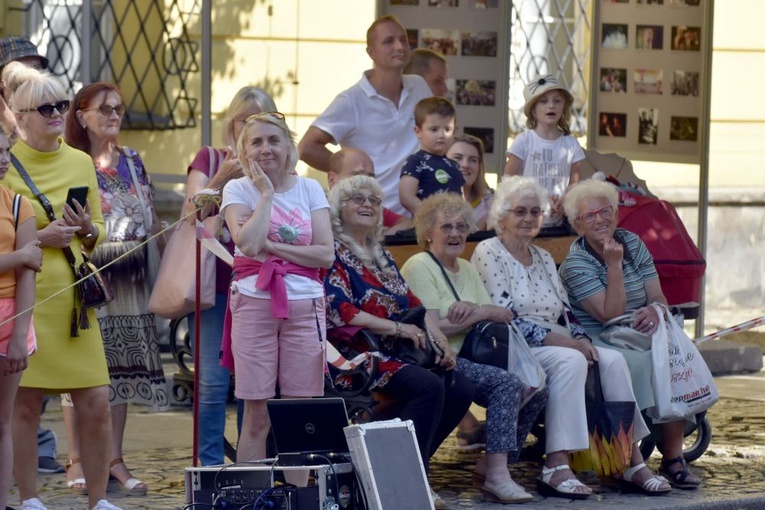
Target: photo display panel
column 651, row 79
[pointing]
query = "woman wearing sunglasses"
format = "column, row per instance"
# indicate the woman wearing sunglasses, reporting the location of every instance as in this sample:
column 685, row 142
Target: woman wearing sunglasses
column 130, row 336
column 276, row 296
column 69, row 359
column 520, row 276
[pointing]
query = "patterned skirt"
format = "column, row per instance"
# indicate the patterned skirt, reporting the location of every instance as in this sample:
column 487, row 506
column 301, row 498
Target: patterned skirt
column 130, row 340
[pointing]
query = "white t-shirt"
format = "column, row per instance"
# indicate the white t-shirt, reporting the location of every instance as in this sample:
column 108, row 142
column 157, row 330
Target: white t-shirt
column 363, row 119
column 290, row 223
column 547, row 161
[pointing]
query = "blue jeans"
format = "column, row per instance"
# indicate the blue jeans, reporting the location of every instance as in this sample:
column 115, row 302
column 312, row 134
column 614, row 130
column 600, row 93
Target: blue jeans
column 213, row 383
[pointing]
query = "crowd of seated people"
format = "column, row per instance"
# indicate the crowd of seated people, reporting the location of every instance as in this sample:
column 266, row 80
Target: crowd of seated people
column 311, row 268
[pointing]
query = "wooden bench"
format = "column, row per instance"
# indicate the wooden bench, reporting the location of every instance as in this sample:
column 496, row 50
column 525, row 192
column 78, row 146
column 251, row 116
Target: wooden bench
column 557, row 246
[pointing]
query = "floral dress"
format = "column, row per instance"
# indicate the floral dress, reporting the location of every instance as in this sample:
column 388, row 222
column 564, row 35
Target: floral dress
column 353, row 287
column 128, row 329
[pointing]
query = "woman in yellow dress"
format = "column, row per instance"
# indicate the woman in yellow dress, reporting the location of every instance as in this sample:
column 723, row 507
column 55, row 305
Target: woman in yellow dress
column 65, row 362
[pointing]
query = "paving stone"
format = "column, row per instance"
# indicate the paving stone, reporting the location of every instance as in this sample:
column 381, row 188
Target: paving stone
column 157, row 449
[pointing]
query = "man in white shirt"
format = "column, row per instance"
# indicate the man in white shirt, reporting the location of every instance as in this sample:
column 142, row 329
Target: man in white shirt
column 376, row 114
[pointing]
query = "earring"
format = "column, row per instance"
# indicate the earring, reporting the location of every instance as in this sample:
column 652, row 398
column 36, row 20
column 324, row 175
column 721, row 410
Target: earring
column 430, row 240
column 84, row 126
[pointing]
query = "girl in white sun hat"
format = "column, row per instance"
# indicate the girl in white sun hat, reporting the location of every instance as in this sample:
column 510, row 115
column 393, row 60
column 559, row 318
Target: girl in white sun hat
column 546, row 151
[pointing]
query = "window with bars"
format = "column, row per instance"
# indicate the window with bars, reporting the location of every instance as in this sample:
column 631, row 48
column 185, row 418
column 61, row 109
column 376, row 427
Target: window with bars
column 550, row 37
column 141, row 45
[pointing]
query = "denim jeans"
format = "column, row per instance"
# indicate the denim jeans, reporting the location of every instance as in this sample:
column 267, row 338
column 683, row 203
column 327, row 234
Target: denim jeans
column 213, row 383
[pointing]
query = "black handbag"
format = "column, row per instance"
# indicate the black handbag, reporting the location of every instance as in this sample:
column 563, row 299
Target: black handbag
column 404, row 349
column 488, row 343
column 91, row 289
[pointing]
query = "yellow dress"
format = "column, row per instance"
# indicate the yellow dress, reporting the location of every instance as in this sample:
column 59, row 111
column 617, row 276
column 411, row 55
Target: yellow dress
column 61, row 362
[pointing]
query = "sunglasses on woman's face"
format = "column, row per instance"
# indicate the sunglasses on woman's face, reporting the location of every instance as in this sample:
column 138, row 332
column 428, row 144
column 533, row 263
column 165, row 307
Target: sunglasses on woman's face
column 46, row 110
column 107, row 110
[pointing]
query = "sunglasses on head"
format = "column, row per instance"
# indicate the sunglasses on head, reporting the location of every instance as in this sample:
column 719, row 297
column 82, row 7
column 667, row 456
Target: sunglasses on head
column 261, row 115
column 46, row 110
column 106, row 110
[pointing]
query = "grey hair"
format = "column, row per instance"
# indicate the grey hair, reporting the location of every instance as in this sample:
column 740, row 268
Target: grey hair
column 509, row 191
column 372, row 255
column 588, row 189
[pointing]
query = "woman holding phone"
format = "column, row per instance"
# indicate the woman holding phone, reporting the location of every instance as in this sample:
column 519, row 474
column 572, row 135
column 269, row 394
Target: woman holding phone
column 62, row 363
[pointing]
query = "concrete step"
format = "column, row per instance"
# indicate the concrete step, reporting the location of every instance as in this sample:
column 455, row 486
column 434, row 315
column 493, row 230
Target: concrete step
column 725, row 357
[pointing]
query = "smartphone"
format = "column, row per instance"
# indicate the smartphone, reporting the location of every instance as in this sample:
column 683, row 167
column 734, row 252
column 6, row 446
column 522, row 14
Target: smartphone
column 79, row 193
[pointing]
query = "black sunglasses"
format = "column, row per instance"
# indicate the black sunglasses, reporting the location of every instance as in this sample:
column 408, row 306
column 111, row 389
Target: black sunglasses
column 106, row 110
column 46, row 110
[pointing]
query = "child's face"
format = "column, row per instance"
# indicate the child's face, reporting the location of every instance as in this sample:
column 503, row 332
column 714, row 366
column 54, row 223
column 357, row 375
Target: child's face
column 5, row 155
column 549, row 108
column 435, row 134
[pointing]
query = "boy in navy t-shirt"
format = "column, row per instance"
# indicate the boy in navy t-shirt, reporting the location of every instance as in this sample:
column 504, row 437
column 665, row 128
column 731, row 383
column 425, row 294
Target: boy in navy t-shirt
column 428, row 171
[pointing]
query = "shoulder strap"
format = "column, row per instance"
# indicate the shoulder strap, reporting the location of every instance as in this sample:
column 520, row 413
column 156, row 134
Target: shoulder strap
column 16, row 207
column 446, row 276
column 213, row 157
column 138, row 191
column 46, row 206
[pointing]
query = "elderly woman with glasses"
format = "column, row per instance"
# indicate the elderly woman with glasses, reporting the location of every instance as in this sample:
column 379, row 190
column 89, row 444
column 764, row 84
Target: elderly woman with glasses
column 522, row 277
column 365, row 290
column 609, row 272
column 63, row 363
column 277, row 297
column 130, row 336
column 452, row 291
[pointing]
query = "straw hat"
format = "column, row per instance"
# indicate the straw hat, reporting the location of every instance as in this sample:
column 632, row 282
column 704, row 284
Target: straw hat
column 539, row 87
column 15, row 47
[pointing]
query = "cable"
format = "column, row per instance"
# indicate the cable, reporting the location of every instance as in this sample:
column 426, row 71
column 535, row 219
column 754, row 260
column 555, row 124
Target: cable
column 334, row 476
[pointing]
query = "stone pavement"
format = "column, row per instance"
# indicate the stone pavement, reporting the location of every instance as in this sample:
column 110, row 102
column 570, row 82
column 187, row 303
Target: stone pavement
column 157, row 448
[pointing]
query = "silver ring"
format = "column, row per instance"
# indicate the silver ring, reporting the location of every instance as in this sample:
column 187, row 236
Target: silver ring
column 419, row 335
column 650, row 323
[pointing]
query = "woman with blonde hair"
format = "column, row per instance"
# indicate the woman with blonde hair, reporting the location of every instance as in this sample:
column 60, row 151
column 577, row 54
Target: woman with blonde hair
column 39, row 102
column 213, row 168
column 276, row 297
column 467, row 150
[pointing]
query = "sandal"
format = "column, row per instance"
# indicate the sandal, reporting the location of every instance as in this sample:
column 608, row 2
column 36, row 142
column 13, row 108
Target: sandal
column 680, row 477
column 565, row 489
column 650, row 487
column 76, row 486
column 473, row 441
column 131, row 486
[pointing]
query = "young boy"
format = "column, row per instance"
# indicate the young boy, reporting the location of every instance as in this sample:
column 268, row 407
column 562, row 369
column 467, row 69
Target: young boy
column 428, row 171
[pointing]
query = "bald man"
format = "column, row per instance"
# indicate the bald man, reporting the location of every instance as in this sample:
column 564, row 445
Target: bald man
column 349, row 162
column 431, row 65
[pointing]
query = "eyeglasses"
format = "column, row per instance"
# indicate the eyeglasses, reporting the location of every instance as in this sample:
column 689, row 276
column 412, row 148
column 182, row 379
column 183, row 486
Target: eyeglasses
column 46, row 110
column 605, row 213
column 107, row 110
column 360, row 199
column 521, row 212
column 447, row 228
column 257, row 116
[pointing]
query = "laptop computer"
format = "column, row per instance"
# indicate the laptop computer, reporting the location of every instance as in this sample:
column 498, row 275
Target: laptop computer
column 309, row 431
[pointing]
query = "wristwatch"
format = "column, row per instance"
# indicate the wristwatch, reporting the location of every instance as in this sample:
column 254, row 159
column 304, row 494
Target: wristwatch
column 91, row 232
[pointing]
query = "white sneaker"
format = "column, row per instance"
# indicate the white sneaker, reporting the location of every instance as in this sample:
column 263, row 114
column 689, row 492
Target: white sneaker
column 32, row 504
column 105, row 505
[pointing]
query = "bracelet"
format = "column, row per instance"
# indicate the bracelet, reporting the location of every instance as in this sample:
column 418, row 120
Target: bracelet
column 398, row 329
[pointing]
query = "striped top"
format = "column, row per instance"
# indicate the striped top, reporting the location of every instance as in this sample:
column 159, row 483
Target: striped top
column 584, row 275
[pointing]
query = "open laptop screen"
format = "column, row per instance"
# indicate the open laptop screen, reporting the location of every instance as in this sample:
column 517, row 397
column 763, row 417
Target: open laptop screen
column 305, row 426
